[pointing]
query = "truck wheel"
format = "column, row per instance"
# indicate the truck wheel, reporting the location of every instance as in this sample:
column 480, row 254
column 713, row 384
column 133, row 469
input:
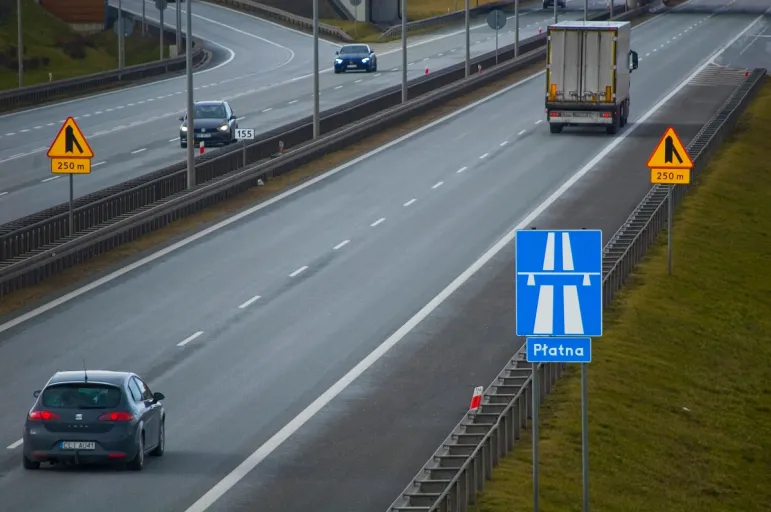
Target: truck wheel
column 613, row 128
column 555, row 128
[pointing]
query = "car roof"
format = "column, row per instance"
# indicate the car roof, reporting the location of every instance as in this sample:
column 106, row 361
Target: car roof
column 355, row 44
column 95, row 376
column 210, row 102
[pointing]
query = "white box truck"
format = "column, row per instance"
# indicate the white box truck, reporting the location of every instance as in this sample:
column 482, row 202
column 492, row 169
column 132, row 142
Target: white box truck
column 588, row 64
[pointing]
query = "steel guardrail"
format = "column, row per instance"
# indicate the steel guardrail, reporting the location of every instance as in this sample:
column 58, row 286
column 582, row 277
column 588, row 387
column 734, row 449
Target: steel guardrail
column 22, row 242
column 45, row 227
column 456, row 473
column 287, row 18
column 36, row 94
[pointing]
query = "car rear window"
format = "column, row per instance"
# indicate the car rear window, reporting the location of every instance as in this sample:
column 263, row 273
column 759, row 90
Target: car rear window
column 81, row 396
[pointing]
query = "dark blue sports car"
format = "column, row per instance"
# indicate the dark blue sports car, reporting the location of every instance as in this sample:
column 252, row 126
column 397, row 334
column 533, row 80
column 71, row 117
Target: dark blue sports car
column 353, row 57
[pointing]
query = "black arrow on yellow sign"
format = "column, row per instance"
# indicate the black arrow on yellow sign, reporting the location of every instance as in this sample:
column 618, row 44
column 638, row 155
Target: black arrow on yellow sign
column 669, row 151
column 70, row 139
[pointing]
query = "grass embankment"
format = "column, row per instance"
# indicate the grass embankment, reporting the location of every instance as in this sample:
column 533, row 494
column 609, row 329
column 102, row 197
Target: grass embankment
column 51, row 46
column 680, row 384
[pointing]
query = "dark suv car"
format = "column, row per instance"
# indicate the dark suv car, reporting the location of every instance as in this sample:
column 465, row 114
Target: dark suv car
column 214, row 123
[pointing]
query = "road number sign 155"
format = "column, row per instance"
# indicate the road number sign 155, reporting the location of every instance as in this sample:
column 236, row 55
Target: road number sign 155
column 244, row 133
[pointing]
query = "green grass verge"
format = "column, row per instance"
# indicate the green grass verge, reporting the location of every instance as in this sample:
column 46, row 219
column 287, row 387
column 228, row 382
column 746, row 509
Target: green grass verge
column 51, row 46
column 680, row 384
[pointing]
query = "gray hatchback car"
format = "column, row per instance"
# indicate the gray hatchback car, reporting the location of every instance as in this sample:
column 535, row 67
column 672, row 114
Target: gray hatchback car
column 94, row 416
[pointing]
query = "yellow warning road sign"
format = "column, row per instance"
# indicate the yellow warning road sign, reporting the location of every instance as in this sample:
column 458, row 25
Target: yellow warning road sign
column 671, row 176
column 70, row 142
column 71, row 165
column 670, row 153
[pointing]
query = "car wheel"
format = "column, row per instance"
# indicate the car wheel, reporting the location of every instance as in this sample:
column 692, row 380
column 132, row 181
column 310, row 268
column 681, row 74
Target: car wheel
column 183, row 146
column 29, row 464
column 374, row 68
column 158, row 450
column 138, row 462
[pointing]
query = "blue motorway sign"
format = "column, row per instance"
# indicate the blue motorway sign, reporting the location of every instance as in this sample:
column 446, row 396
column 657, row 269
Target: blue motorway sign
column 559, row 296
column 559, row 350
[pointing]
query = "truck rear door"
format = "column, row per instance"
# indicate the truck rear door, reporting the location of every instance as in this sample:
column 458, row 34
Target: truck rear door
column 585, row 73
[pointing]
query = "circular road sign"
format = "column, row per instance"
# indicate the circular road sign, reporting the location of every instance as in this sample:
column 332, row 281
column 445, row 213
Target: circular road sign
column 355, row 3
column 496, row 19
column 161, row 4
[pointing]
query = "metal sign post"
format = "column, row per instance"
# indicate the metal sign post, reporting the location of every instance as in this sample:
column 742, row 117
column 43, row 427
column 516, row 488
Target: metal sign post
column 70, row 154
column 670, row 165
column 122, row 28
column 20, row 44
column 191, row 177
column 179, row 26
column 555, row 11
column 496, row 20
column 404, row 50
column 316, row 115
column 516, row 28
column 144, row 20
column 161, row 6
column 244, row 134
column 578, row 282
column 536, row 407
column 355, row 4
column 468, row 38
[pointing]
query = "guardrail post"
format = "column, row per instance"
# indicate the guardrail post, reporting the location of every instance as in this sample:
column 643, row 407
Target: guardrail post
column 462, row 494
column 471, row 481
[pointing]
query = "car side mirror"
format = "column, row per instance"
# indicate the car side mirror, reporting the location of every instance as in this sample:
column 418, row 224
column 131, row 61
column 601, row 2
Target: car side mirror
column 633, row 60
column 157, row 397
column 337, row 53
column 181, row 118
column 36, row 393
column 233, row 117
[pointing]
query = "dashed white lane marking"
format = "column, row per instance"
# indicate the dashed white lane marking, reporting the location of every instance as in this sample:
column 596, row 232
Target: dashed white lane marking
column 438, row 184
column 249, row 302
column 265, row 110
column 377, row 74
column 539, row 121
column 138, row 151
column 461, row 170
column 410, row 202
column 290, row 103
column 3, row 193
column 484, row 156
column 174, row 140
column 189, row 339
column 357, row 81
column 521, row 132
column 299, row 271
column 503, row 143
column 380, row 220
column 341, row 244
column 336, row 88
column 15, row 445
column 99, row 163
column 50, row 179
column 14, row 133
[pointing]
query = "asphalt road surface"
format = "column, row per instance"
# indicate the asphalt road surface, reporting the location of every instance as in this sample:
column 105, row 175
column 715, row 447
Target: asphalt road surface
column 135, row 131
column 338, row 269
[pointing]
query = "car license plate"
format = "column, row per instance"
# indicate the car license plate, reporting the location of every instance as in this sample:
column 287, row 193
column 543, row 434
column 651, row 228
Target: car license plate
column 78, row 445
column 204, row 135
column 351, row 65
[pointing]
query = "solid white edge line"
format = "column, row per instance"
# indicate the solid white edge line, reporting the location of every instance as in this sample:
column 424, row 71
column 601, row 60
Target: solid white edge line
column 16, row 444
column 338, row 387
column 189, row 339
column 230, row 220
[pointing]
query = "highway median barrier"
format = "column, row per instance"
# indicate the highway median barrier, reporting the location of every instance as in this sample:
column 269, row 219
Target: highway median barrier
column 36, row 94
column 458, row 470
column 38, row 246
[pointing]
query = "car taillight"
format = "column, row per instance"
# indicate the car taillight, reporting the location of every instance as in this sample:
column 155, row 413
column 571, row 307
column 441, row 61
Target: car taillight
column 43, row 416
column 116, row 416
